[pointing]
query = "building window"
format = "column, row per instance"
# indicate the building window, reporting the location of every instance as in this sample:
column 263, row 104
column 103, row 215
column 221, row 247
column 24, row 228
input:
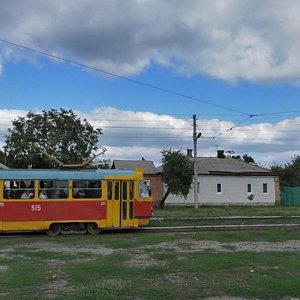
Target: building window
column 219, row 188
column 249, row 188
column 198, row 187
column 265, row 188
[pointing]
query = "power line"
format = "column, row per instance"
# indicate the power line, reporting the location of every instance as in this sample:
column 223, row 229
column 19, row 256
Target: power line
column 241, row 122
column 188, row 137
column 122, row 77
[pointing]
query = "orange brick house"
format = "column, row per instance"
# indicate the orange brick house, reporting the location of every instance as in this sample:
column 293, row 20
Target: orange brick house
column 150, row 174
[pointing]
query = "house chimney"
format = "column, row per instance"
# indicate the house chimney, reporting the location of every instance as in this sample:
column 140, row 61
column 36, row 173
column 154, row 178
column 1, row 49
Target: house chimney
column 220, row 154
column 189, row 153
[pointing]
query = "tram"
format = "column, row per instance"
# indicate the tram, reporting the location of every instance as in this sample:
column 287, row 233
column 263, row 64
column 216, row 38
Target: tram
column 56, row 201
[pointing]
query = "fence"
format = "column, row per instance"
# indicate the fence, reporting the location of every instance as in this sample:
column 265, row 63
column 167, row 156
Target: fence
column 290, row 196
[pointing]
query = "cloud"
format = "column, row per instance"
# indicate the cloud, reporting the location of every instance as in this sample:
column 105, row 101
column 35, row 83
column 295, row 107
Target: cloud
column 6, row 118
column 133, row 135
column 229, row 39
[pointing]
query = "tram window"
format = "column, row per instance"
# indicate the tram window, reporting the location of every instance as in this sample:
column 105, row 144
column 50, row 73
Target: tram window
column 124, row 213
column 131, row 190
column 18, row 189
column 109, row 190
column 124, row 190
column 53, row 189
column 7, row 189
column 131, row 210
column 87, row 189
column 144, row 189
column 117, row 190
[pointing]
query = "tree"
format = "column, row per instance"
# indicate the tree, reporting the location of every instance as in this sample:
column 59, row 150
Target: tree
column 289, row 173
column 177, row 173
column 248, row 159
column 60, row 133
column 2, row 157
column 103, row 164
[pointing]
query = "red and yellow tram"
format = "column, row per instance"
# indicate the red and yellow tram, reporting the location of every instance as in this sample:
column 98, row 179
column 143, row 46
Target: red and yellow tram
column 73, row 200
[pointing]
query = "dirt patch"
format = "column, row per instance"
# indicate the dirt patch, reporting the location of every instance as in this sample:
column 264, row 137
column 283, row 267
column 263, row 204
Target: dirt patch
column 190, row 246
column 3, row 268
column 55, row 287
column 224, row 298
column 70, row 250
column 57, row 280
column 143, row 261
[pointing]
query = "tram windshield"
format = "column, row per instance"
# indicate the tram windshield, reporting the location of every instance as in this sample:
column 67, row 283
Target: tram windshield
column 144, row 189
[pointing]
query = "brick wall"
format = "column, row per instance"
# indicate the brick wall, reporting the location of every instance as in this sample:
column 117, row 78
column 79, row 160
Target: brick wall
column 157, row 190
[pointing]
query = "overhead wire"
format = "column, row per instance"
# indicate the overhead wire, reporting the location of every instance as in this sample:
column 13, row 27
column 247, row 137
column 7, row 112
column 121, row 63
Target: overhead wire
column 249, row 115
column 121, row 77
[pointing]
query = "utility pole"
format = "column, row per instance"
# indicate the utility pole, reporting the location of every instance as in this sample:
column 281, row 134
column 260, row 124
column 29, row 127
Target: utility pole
column 195, row 138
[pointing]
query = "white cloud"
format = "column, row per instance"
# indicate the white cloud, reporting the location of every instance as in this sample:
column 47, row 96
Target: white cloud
column 133, row 135
column 229, row 39
column 6, row 118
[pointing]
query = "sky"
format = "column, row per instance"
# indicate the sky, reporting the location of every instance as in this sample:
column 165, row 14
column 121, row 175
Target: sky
column 140, row 70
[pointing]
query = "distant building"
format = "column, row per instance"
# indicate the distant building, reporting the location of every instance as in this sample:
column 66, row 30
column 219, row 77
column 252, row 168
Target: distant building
column 150, row 174
column 223, row 180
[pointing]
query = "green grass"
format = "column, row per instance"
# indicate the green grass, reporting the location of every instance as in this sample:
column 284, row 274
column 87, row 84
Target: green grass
column 170, row 215
column 226, row 210
column 173, row 223
column 149, row 266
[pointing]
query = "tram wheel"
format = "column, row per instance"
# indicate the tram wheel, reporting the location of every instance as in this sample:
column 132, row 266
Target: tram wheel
column 54, row 229
column 92, row 228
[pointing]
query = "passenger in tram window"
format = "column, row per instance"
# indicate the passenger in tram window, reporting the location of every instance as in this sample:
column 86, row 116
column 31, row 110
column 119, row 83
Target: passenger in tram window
column 43, row 194
column 7, row 194
column 78, row 193
column 56, row 194
column 63, row 194
column 27, row 194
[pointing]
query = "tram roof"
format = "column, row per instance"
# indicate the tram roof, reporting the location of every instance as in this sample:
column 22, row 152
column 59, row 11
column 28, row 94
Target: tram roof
column 56, row 174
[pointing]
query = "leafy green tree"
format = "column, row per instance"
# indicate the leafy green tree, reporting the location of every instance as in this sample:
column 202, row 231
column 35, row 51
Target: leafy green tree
column 248, row 159
column 177, row 173
column 289, row 173
column 103, row 164
column 3, row 159
column 59, row 133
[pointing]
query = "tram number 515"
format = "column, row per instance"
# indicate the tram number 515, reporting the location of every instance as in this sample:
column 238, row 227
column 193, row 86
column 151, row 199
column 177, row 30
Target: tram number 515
column 36, row 207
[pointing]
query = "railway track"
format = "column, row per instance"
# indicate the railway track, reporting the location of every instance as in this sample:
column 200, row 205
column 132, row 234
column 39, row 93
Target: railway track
column 186, row 228
column 227, row 218
column 193, row 228
column 218, row 227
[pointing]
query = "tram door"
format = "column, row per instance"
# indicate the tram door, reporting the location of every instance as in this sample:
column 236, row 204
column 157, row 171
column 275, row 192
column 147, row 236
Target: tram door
column 127, row 203
column 120, row 208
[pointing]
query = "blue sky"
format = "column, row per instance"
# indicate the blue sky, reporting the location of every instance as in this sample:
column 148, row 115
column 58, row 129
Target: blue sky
column 232, row 64
column 51, row 85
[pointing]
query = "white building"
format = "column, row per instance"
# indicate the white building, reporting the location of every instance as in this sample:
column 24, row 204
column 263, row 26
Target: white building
column 231, row 181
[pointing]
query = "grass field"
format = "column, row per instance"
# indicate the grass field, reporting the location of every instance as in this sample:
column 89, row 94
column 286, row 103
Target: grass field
column 179, row 215
column 261, row 265
column 226, row 210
